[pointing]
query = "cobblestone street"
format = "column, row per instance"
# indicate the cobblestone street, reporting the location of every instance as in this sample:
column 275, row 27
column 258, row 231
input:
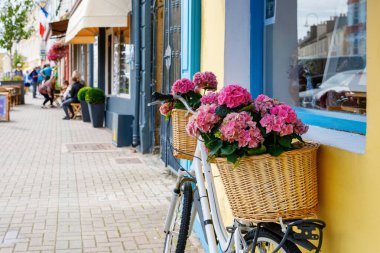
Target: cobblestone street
column 65, row 188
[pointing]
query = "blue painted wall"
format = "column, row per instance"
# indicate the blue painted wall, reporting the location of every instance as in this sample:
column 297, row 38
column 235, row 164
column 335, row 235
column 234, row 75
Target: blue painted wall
column 257, row 46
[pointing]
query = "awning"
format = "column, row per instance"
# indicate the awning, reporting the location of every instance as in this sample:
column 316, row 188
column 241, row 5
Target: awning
column 90, row 15
column 59, row 27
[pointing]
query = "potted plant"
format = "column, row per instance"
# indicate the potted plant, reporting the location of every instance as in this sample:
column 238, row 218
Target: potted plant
column 260, row 154
column 83, row 104
column 95, row 98
column 190, row 90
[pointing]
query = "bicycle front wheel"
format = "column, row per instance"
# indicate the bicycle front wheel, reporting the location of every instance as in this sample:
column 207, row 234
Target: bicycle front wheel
column 176, row 238
column 268, row 241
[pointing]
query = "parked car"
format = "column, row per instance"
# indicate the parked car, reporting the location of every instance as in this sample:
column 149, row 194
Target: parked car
column 353, row 80
column 323, row 68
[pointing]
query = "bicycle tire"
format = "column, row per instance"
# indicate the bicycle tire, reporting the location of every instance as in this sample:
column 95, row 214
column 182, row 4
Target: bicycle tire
column 184, row 212
column 271, row 240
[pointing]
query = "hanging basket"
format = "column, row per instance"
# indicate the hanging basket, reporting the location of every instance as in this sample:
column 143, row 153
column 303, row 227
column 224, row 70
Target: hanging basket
column 183, row 144
column 265, row 188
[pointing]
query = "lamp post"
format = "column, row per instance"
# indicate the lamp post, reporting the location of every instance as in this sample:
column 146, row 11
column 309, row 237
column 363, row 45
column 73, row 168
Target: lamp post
column 311, row 14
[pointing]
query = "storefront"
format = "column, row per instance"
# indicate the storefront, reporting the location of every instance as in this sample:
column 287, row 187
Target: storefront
column 313, row 55
column 100, row 37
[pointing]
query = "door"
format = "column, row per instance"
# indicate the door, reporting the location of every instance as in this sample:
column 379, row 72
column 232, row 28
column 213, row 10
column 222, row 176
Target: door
column 171, row 72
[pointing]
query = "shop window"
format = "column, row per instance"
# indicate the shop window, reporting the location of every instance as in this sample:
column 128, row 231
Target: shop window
column 335, row 78
column 122, row 61
column 315, row 56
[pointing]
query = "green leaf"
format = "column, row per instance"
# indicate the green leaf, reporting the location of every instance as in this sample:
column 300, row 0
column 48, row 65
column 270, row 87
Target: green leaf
column 246, row 108
column 215, row 147
column 275, row 150
column 222, row 111
column 232, row 158
column 218, row 134
column 257, row 151
column 168, row 115
column 228, row 149
column 286, row 141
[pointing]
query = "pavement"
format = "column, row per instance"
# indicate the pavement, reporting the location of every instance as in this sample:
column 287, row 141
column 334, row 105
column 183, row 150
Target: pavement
column 65, row 188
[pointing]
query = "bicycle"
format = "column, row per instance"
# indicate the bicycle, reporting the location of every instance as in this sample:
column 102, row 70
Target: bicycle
column 194, row 193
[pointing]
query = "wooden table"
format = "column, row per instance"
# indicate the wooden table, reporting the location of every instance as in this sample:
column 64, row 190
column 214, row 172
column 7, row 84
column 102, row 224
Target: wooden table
column 360, row 97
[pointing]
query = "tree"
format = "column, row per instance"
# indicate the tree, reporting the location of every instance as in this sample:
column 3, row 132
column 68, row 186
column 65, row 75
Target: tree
column 18, row 58
column 14, row 17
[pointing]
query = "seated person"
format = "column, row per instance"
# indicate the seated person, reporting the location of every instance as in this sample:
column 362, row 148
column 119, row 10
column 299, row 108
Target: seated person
column 73, row 98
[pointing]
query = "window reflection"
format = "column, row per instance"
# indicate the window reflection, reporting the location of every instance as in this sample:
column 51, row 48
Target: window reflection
column 332, row 55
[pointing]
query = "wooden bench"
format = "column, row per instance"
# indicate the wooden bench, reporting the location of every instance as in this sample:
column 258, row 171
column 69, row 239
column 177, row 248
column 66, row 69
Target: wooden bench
column 76, row 110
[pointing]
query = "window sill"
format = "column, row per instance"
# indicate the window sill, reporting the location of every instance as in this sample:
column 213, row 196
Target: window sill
column 343, row 140
column 347, row 122
column 128, row 96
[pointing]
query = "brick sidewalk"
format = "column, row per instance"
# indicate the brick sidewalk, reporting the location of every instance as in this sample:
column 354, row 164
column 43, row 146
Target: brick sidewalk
column 59, row 197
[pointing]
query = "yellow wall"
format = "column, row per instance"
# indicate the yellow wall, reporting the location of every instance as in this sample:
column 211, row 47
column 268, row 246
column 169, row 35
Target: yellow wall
column 212, row 37
column 212, row 59
column 349, row 184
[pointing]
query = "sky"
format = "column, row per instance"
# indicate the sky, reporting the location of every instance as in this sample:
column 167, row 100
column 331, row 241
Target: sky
column 316, row 11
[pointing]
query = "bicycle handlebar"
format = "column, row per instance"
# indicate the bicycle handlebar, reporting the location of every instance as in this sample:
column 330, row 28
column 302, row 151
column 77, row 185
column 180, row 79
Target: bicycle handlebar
column 156, row 96
column 161, row 97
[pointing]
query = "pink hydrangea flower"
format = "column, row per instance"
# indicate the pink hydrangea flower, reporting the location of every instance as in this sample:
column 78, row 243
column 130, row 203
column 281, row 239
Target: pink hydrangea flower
column 283, row 120
column 240, row 127
column 166, row 108
column 192, row 127
column 183, row 86
column 204, row 120
column 210, row 98
column 264, row 103
column 300, row 128
column 272, row 123
column 205, row 80
column 233, row 96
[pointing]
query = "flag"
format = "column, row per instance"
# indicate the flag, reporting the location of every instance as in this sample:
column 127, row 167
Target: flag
column 44, row 15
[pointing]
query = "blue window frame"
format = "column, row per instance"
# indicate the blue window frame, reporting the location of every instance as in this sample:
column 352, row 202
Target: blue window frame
column 327, row 119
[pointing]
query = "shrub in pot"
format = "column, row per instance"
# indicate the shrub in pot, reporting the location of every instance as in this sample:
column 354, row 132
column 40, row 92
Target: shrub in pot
column 83, row 104
column 95, row 98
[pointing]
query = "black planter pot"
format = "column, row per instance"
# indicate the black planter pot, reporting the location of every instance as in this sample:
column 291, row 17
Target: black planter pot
column 85, row 111
column 97, row 114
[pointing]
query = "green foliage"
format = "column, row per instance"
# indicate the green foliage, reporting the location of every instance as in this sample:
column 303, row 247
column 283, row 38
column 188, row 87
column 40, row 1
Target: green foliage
column 222, row 111
column 17, row 78
column 14, row 17
column 95, row 96
column 82, row 93
column 6, row 78
column 9, row 78
column 18, row 58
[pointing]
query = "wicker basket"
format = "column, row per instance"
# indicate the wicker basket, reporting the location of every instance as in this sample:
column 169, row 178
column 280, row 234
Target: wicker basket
column 265, row 188
column 183, row 144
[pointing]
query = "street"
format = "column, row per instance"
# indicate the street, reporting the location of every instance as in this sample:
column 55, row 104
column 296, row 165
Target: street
column 65, row 188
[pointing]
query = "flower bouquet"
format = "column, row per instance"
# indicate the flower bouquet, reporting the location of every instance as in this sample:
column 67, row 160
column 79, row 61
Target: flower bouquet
column 268, row 171
column 183, row 144
column 57, row 51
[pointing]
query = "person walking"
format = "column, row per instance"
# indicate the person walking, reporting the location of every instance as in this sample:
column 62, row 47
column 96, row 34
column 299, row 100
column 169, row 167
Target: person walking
column 46, row 72
column 73, row 95
column 34, row 76
column 40, row 77
column 27, row 81
column 47, row 90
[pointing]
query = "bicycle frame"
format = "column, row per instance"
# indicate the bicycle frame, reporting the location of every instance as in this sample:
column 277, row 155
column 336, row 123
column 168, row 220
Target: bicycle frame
column 212, row 220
